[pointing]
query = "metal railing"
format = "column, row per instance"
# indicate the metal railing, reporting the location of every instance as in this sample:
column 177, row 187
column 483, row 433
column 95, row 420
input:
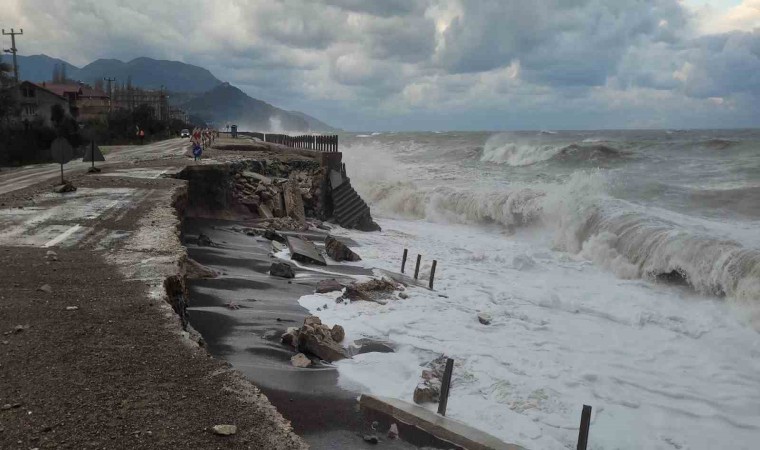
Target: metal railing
column 316, row 142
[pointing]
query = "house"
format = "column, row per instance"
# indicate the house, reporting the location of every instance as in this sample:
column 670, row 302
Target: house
column 130, row 98
column 36, row 103
column 86, row 103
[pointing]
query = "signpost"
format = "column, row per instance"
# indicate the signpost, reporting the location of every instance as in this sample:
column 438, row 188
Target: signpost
column 62, row 152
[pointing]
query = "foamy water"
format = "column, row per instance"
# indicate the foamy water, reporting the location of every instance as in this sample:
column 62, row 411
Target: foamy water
column 565, row 240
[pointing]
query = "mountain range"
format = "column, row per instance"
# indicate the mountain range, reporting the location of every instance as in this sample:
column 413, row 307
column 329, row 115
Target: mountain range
column 192, row 88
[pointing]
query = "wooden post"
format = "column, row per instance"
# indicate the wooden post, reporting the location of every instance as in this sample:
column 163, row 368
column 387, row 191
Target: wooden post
column 403, row 260
column 445, row 385
column 432, row 274
column 585, row 423
column 417, row 267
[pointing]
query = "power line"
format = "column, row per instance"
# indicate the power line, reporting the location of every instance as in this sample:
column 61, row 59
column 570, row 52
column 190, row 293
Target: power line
column 13, row 49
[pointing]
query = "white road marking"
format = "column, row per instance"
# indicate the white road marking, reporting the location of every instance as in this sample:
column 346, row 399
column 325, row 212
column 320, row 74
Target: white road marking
column 62, row 236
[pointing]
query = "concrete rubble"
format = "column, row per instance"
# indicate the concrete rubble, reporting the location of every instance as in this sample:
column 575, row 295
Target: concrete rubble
column 428, row 390
column 339, row 251
column 317, row 339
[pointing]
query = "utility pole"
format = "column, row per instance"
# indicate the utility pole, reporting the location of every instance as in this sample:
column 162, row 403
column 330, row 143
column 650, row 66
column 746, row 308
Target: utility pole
column 110, row 93
column 13, row 49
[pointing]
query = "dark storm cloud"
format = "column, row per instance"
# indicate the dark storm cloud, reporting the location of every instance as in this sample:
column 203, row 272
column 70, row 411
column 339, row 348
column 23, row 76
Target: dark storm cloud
column 396, row 57
column 557, row 42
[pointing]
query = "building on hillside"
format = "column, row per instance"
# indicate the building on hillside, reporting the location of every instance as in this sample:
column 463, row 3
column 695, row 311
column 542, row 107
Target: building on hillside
column 36, row 103
column 130, row 98
column 179, row 114
column 86, row 103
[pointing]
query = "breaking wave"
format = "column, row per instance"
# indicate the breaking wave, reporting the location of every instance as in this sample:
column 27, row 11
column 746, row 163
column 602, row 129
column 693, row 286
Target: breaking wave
column 585, row 221
column 503, row 149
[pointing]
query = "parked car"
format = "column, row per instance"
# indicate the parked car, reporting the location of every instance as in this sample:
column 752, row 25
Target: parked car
column 184, row 133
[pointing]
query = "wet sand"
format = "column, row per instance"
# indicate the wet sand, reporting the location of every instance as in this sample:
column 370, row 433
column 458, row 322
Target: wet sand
column 325, row 415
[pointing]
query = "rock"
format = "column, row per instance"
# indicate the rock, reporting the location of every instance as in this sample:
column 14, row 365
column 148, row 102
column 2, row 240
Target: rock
column 312, row 321
column 277, row 247
column 45, row 288
column 72, row 308
column 324, row 226
column 371, row 438
column 484, row 318
column 328, row 286
column 195, row 270
column 19, row 328
column 300, row 360
column 393, row 431
column 427, row 392
column 366, row 345
column 290, row 337
column 258, row 177
column 338, row 333
column 374, row 290
column 225, row 430
column 281, row 269
column 319, row 342
column 204, row 241
column 273, row 235
column 65, row 187
column 403, row 295
column 51, row 256
column 339, row 251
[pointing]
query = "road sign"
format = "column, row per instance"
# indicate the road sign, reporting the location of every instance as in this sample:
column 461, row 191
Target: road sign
column 93, row 153
column 61, row 150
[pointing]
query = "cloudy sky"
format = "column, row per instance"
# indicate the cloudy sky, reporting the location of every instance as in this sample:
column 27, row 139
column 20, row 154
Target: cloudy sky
column 438, row 64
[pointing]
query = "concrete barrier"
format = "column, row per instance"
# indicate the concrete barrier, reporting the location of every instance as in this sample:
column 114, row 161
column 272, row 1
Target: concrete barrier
column 440, row 427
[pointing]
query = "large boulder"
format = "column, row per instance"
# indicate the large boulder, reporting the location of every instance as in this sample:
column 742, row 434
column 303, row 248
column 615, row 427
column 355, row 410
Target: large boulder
column 314, row 341
column 339, row 251
column 281, row 269
column 317, row 339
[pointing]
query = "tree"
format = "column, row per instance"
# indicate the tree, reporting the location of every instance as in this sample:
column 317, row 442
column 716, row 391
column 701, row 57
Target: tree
column 64, row 78
column 7, row 99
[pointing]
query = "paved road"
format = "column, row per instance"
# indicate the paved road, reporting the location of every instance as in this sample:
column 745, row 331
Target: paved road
column 22, row 177
column 94, row 214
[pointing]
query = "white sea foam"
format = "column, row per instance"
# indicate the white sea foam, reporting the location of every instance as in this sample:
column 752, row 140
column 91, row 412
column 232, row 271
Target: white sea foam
column 565, row 270
column 657, row 364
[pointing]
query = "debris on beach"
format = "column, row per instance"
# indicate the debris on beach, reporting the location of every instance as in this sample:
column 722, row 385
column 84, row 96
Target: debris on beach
column 281, row 269
column 428, row 390
column 317, row 339
column 339, row 251
column 300, row 360
column 376, row 289
column 195, row 270
column 325, row 286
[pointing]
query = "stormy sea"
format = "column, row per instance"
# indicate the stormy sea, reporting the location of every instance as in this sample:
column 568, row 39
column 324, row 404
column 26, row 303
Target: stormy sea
column 620, row 269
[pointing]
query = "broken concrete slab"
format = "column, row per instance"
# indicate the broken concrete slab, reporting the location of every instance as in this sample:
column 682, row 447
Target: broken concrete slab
column 440, row 427
column 293, row 201
column 339, row 251
column 304, row 251
column 258, row 177
column 264, row 211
